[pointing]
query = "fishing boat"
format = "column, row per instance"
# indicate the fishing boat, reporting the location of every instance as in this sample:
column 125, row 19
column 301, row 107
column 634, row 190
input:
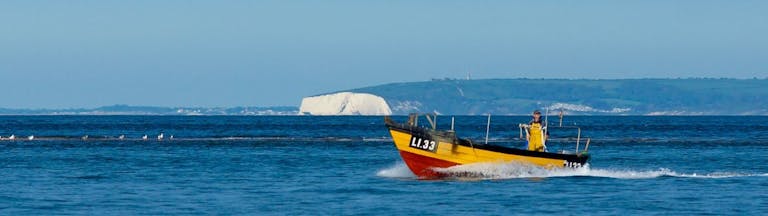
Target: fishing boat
column 426, row 148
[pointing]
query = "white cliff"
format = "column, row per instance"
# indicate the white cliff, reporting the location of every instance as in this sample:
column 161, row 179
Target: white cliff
column 345, row 103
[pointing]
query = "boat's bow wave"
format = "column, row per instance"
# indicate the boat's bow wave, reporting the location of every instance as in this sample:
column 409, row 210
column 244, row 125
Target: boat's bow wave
column 399, row 170
column 514, row 170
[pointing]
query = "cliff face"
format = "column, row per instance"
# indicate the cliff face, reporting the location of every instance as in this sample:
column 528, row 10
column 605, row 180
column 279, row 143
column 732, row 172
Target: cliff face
column 345, row 103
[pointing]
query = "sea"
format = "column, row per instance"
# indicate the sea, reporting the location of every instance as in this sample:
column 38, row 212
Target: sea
column 311, row 165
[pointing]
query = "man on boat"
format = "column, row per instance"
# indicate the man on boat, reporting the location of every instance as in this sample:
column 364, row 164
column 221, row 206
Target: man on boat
column 536, row 133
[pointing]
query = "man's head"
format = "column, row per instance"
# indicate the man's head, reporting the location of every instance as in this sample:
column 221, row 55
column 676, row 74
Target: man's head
column 536, row 114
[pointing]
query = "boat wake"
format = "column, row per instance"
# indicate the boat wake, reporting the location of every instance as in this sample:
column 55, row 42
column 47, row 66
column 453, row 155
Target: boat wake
column 493, row 171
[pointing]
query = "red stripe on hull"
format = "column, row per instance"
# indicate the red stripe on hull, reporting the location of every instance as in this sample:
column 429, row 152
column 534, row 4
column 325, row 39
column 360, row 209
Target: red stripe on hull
column 421, row 165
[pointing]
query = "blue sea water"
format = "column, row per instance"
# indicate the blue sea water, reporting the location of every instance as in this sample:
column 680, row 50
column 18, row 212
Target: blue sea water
column 349, row 165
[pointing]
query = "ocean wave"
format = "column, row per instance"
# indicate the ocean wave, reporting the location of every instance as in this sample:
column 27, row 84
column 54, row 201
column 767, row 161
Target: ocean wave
column 495, row 171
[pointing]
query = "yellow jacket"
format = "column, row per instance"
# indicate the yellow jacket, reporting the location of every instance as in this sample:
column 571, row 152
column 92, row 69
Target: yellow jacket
column 536, row 137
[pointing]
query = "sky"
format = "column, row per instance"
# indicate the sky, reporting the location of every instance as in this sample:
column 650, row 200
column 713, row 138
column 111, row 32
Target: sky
column 86, row 54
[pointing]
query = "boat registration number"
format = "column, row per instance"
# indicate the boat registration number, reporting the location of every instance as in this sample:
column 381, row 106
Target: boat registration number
column 572, row 164
column 423, row 144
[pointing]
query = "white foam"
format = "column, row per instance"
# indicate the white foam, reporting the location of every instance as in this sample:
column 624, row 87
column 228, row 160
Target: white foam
column 518, row 170
column 399, row 170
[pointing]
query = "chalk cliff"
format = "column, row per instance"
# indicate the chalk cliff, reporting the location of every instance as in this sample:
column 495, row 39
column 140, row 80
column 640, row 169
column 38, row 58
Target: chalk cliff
column 345, row 103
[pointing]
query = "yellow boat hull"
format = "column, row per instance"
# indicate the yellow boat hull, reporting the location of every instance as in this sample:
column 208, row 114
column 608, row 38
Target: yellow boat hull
column 424, row 149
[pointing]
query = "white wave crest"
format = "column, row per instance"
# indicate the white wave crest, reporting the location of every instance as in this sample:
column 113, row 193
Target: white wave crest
column 399, row 170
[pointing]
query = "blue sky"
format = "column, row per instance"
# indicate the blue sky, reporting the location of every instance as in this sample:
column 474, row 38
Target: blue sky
column 61, row 54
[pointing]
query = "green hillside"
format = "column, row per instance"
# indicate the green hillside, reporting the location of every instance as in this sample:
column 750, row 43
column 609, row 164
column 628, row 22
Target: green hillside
column 625, row 96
